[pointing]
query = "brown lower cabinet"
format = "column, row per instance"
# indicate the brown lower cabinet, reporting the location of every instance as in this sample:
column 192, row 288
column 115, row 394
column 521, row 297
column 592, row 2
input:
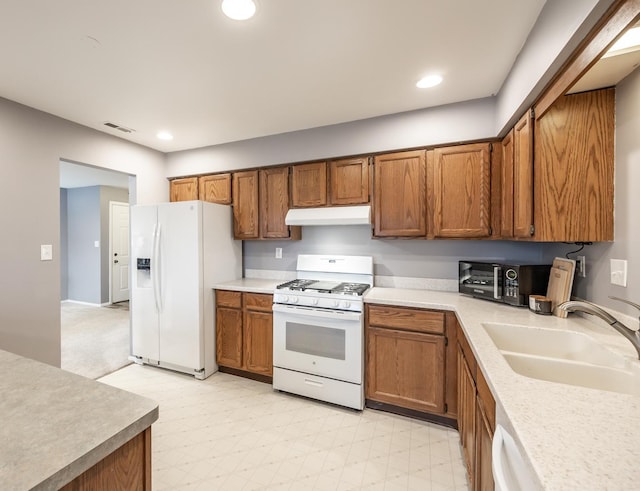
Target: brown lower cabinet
column 409, row 361
column 476, row 418
column 128, row 467
column 244, row 335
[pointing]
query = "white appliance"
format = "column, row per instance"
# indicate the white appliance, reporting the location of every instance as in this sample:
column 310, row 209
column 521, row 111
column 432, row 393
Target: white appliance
column 318, row 329
column 179, row 251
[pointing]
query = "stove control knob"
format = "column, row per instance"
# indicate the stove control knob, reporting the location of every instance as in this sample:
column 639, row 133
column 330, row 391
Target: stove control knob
column 294, row 299
column 314, row 301
column 284, row 298
column 335, row 303
column 346, row 304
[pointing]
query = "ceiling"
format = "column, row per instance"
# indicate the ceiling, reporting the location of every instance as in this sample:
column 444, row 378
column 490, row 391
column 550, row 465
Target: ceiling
column 182, row 66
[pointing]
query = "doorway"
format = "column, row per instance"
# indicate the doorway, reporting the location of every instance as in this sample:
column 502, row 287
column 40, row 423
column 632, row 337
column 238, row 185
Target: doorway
column 94, row 233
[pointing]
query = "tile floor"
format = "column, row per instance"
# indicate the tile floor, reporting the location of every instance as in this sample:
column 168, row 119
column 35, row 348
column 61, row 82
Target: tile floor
column 232, row 433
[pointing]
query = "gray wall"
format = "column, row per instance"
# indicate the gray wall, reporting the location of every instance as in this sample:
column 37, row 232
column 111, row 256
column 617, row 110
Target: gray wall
column 83, row 217
column 436, row 259
column 107, row 194
column 64, row 275
column 31, row 146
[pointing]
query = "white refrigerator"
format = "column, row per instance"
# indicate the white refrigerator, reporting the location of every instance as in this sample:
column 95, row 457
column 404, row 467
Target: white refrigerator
column 179, row 251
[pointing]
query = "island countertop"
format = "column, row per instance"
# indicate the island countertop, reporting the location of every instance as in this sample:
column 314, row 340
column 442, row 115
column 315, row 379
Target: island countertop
column 56, row 425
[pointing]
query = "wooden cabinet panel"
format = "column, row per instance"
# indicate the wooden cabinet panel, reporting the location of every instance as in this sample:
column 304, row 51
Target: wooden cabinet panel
column 258, row 342
column 274, row 202
column 467, row 415
column 574, row 163
column 215, row 188
column 185, row 189
column 483, row 452
column 349, row 181
column 127, row 468
column 258, row 301
column 245, row 205
column 399, row 201
column 229, row 337
column 462, row 191
column 406, row 319
column 451, row 365
column 309, row 185
column 522, row 175
column 225, row 298
column 406, row 369
column 506, row 209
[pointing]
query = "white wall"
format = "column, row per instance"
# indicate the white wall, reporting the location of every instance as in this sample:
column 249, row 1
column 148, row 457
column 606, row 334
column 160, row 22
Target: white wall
column 31, row 146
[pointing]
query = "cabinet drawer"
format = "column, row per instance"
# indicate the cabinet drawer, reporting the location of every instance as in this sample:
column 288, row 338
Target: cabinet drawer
column 406, row 319
column 226, row 298
column 258, row 301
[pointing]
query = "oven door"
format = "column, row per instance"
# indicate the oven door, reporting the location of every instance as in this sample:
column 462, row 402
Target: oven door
column 321, row 342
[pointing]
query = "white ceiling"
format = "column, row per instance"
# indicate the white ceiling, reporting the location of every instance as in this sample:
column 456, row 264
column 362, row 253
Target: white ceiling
column 182, row 66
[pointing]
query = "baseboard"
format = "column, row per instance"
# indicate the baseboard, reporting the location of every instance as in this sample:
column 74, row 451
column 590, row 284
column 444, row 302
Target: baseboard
column 85, row 303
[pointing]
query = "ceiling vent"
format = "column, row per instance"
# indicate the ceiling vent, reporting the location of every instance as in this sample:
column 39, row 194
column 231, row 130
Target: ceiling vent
column 124, row 129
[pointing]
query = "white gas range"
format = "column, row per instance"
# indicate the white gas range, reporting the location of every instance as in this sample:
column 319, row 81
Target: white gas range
column 318, row 329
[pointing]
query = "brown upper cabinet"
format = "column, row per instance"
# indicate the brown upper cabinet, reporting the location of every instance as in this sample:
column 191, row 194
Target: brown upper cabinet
column 349, row 181
column 573, row 168
column 215, row 188
column 459, row 185
column 185, row 189
column 260, row 204
column 333, row 183
column 309, row 185
column 399, row 196
column 517, row 180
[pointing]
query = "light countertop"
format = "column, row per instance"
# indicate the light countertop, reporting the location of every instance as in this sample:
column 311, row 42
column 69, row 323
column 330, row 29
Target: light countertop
column 251, row 285
column 55, row 425
column 573, row 437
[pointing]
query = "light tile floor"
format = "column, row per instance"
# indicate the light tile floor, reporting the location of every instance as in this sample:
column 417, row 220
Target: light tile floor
column 231, row 433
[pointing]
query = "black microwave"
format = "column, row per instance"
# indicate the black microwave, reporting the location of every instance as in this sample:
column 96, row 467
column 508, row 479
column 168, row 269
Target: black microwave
column 507, row 283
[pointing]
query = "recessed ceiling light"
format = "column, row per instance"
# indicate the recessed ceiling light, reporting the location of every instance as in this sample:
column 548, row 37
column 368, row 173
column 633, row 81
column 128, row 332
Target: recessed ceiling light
column 239, row 9
column 164, row 135
column 429, row 81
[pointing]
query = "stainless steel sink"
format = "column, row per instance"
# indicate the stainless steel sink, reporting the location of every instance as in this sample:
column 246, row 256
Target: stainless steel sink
column 564, row 357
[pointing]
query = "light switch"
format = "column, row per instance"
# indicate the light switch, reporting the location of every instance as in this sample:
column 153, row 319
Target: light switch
column 278, row 252
column 619, row 272
column 96, row 243
column 46, row 252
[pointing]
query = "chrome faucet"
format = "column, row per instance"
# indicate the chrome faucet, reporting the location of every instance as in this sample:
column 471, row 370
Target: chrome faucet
column 589, row 308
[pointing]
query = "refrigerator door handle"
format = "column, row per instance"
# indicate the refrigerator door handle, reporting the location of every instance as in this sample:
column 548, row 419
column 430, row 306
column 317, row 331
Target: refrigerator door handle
column 155, row 267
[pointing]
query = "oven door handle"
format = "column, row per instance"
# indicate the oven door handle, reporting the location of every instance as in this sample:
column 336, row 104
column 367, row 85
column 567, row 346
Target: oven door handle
column 317, row 313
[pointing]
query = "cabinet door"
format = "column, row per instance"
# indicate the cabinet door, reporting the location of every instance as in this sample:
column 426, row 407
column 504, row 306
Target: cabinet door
column 523, row 177
column 309, row 185
column 245, row 205
column 215, row 188
column 229, row 337
column 258, row 342
column 406, row 369
column 349, row 181
column 467, row 415
column 506, row 209
column 183, row 189
column 462, row 191
column 399, row 202
column 274, row 202
column 574, row 162
column 484, row 438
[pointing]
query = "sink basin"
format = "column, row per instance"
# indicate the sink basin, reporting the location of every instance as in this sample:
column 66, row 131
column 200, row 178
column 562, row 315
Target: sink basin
column 575, row 373
column 564, row 357
column 552, row 343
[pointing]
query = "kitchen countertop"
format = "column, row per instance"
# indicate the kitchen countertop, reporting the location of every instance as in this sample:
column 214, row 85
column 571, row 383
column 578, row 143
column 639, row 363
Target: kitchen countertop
column 56, row 425
column 572, row 437
column 252, row 285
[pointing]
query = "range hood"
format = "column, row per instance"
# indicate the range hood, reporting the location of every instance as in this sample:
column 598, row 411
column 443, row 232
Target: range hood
column 334, row 215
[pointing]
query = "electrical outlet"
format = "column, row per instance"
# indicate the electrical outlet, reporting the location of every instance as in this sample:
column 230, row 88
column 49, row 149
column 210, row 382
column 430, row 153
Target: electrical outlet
column 581, row 266
column 278, row 252
column 46, row 252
